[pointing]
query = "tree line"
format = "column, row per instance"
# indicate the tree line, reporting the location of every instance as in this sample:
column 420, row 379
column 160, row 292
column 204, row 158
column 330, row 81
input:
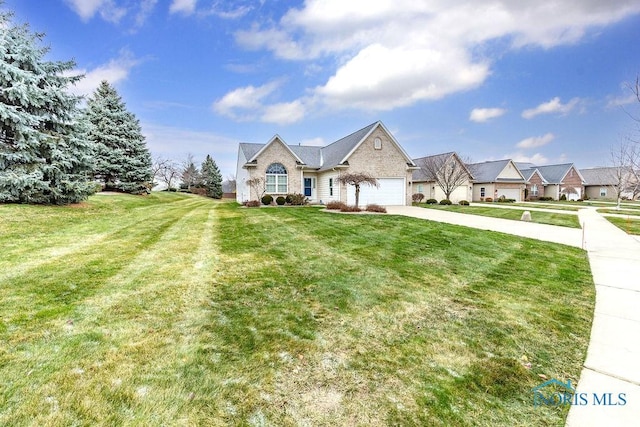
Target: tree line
column 53, row 150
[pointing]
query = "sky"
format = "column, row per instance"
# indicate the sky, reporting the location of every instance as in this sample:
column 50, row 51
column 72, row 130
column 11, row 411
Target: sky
column 545, row 82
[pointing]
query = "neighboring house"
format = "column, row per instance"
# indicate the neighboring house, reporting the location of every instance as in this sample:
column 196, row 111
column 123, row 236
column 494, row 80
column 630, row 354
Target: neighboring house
column 602, row 183
column 556, row 180
column 314, row 171
column 440, row 171
column 495, row 179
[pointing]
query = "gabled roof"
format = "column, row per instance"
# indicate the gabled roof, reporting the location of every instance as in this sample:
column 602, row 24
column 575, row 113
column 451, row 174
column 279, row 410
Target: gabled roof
column 555, row 174
column 323, row 158
column 490, row 171
column 528, row 174
column 600, row 176
column 524, row 165
column 273, row 141
column 423, row 174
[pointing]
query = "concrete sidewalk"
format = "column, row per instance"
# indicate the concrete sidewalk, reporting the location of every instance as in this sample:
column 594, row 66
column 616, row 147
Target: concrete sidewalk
column 612, row 366
column 613, row 359
column 549, row 233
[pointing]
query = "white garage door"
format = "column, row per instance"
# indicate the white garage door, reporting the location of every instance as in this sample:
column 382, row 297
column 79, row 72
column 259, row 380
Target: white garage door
column 509, row 193
column 389, row 193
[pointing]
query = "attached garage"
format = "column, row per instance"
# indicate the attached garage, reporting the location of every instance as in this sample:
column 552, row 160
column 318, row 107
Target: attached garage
column 391, row 192
column 510, row 193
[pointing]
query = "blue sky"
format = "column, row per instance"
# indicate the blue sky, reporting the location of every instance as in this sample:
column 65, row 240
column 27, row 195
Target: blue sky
column 534, row 81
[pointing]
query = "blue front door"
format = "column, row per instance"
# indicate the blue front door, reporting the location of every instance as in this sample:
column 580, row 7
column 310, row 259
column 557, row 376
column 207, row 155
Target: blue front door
column 307, row 187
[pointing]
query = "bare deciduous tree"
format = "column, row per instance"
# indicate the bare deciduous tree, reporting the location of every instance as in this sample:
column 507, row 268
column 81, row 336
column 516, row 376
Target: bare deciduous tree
column 625, row 159
column 357, row 179
column 259, row 187
column 447, row 170
column 157, row 167
column 169, row 173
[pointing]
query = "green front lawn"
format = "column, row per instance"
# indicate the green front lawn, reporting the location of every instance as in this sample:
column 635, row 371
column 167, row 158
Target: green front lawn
column 630, row 225
column 623, row 211
column 564, row 220
column 179, row 310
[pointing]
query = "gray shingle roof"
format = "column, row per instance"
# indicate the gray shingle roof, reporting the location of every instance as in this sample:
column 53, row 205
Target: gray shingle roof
column 250, row 149
column 489, row 171
column 527, row 173
column 554, row 174
column 333, row 153
column 424, row 175
column 310, row 155
column 600, row 176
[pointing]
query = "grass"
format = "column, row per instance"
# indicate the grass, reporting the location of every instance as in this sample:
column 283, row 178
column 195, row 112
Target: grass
column 178, row 310
column 629, row 225
column 564, row 220
column 622, row 211
column 559, row 206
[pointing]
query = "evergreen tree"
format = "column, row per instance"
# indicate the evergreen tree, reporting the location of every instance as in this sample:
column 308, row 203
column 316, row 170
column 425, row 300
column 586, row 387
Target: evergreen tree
column 211, row 178
column 191, row 175
column 44, row 155
column 123, row 161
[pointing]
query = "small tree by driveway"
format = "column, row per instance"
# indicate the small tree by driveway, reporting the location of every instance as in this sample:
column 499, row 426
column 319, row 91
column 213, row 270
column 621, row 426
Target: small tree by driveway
column 357, row 179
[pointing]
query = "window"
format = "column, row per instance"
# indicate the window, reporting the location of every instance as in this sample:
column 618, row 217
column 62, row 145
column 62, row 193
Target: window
column 331, row 186
column 481, row 191
column 603, row 192
column 420, row 188
column 377, row 144
column 534, row 190
column 276, row 178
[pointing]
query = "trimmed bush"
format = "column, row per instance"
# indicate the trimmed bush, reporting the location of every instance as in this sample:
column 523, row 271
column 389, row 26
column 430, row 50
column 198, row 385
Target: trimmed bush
column 347, row 208
column 335, row 205
column 445, row 202
column 545, row 199
column 463, row 203
column 267, row 199
column 280, row 200
column 503, row 199
column 417, row 197
column 432, row 201
column 297, row 199
column 563, row 197
column 376, row 208
column 288, row 198
column 488, row 200
column 252, row 204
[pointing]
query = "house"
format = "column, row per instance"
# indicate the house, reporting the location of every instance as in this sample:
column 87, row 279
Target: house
column 556, row 180
column 314, row 171
column 442, row 173
column 495, row 179
column 602, row 183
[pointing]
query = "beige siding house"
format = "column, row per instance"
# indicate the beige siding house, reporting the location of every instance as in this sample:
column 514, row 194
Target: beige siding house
column 495, row 179
column 556, row 181
column 440, row 172
column 314, row 171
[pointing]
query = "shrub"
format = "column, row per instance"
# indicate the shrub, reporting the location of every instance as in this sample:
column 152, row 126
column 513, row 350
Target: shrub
column 376, row 208
column 287, row 198
column 252, row 204
column 335, row 205
column 488, row 200
column 563, row 197
column 267, row 199
column 417, row 197
column 297, row 199
column 280, row 200
column 199, row 191
column 545, row 199
column 445, row 202
column 432, row 201
column 503, row 199
column 463, row 203
column 347, row 208
column 580, row 200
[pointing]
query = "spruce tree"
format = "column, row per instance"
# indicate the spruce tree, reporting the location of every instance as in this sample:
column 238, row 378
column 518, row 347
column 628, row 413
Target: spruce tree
column 44, row 155
column 211, row 178
column 123, row 161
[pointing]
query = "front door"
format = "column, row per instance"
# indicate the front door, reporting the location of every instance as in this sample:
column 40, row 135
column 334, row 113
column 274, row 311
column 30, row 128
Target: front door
column 307, row 187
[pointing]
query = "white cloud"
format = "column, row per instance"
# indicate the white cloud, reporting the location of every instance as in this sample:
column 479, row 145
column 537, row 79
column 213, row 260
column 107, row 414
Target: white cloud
column 553, row 106
column 283, row 113
column 536, row 141
column 108, row 9
column 393, row 53
column 114, row 72
column 621, row 101
column 186, row 7
column 536, row 159
column 247, row 100
column 482, row 115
